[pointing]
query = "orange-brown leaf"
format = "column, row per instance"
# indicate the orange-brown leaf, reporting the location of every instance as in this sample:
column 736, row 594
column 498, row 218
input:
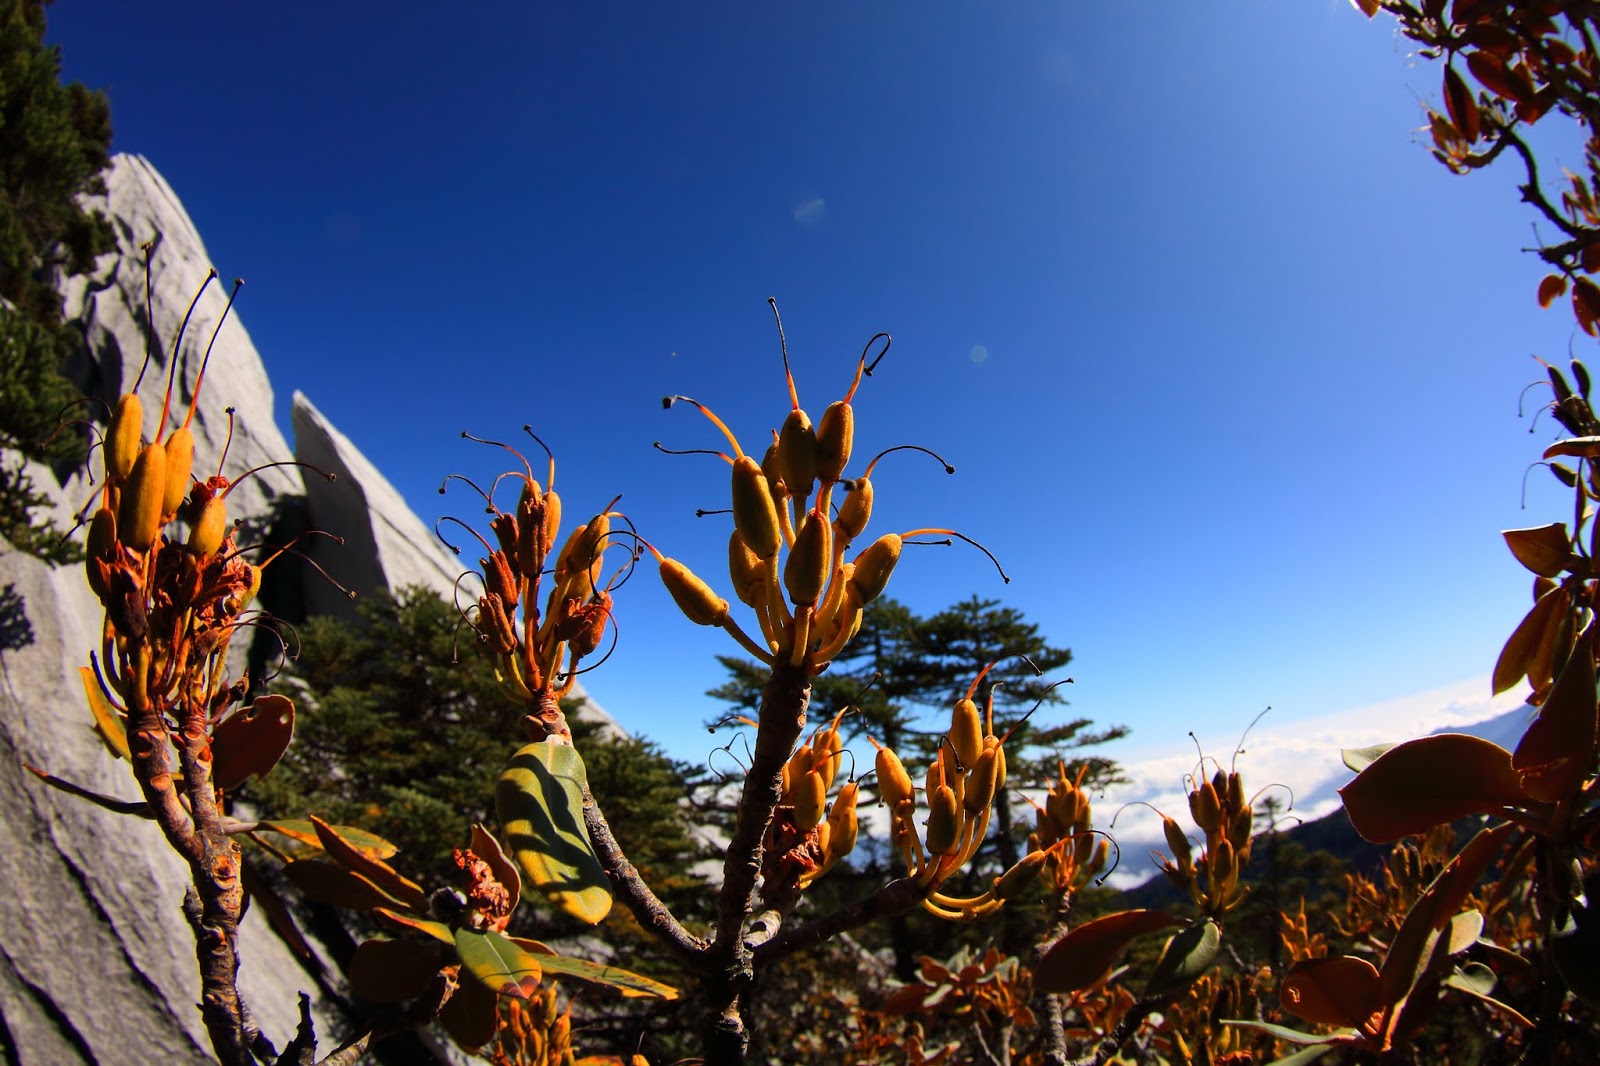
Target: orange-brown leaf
column 1339, row 991
column 1081, row 957
column 1462, row 107
column 1558, row 750
column 1518, row 654
column 1543, row 549
column 1551, row 287
column 1422, row 783
column 250, row 742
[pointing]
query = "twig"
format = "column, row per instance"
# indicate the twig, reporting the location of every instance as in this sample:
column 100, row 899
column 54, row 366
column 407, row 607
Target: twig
column 896, row 897
column 625, row 880
column 1124, row 1031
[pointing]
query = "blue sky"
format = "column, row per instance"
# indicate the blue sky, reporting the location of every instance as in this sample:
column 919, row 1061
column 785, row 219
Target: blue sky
column 1228, row 365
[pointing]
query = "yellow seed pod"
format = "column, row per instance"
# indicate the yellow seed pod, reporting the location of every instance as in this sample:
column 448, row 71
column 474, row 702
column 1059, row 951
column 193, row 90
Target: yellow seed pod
column 981, row 781
column 755, row 516
column 842, row 822
column 591, row 541
column 748, row 572
column 1177, row 843
column 1205, row 808
column 966, row 732
column 102, row 544
column 209, row 527
column 693, row 596
column 139, row 514
column 874, row 566
column 805, row 573
column 854, row 512
column 824, row 839
column 797, row 454
column 1222, row 865
column 122, row 438
column 1020, row 876
column 954, row 775
column 180, row 461
column 810, row 799
column 835, row 436
column 552, row 517
column 944, row 821
column 1239, row 829
column 894, row 784
column 1235, row 792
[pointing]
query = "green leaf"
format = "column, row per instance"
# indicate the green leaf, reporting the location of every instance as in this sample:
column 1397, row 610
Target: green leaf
column 369, row 844
column 499, row 965
column 107, row 722
column 1079, row 959
column 1291, row 1036
column 627, row 982
column 1478, row 981
column 1187, row 955
column 539, row 799
column 1358, row 759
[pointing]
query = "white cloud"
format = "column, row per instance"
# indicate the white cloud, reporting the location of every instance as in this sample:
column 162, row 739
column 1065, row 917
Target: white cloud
column 811, row 211
column 979, row 353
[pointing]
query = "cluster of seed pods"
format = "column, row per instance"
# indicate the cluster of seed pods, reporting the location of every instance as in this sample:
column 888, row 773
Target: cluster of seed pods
column 533, row 1032
column 536, row 655
column 807, row 835
column 1221, row 812
column 1067, row 819
column 959, row 789
column 786, row 554
column 173, row 598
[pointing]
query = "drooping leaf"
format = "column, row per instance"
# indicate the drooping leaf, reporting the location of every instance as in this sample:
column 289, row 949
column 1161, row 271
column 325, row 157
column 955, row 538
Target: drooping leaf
column 487, row 848
column 1291, row 1036
column 1557, row 752
column 1429, row 781
column 499, row 965
column 1550, row 288
column 138, row 808
column 337, row 886
column 250, row 742
column 1545, row 550
column 1081, row 957
column 1187, row 955
column 1459, row 102
column 107, row 722
column 1478, row 981
column 1516, row 658
column 437, row 930
column 1337, row 991
column 407, row 892
column 394, row 971
column 630, row 984
column 1580, row 447
column 470, row 1015
column 369, row 844
column 539, row 799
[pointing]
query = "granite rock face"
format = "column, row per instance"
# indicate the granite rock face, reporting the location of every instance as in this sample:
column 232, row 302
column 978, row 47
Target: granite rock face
column 97, row 963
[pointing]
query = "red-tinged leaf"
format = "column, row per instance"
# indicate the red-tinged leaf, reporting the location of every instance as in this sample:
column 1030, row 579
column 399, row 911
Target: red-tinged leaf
column 394, row 971
column 1422, row 783
column 138, row 808
column 1558, row 750
column 630, row 984
column 369, row 844
column 1413, row 945
column 487, row 848
column 1586, row 304
column 1589, row 258
column 1518, row 654
column 107, row 722
column 380, row 873
column 405, row 922
column 1545, row 550
column 1581, row 447
column 336, row 886
column 1337, row 991
column 1079, row 959
column 1459, row 102
column 1499, row 79
column 1551, row 287
column 250, row 742
column 469, row 1016
column 498, row 964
